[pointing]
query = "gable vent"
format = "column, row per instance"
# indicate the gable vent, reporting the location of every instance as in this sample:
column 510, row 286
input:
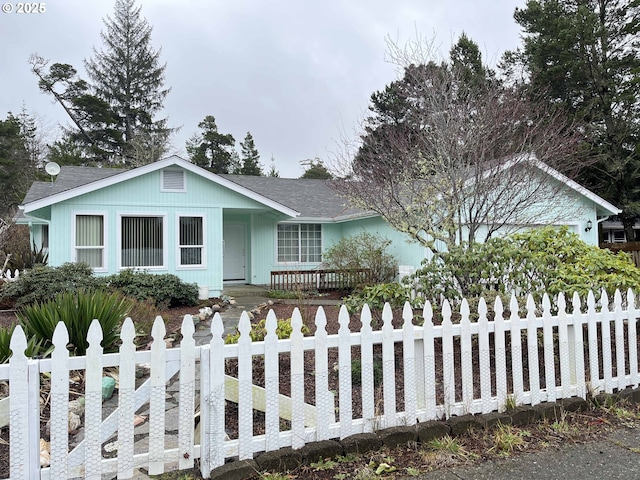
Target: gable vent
column 173, row 180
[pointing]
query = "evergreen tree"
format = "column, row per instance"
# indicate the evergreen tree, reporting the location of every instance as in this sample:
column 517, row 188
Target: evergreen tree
column 95, row 134
column 114, row 116
column 465, row 56
column 315, row 169
column 585, row 56
column 235, row 164
column 273, row 172
column 396, row 119
column 67, row 151
column 17, row 171
column 129, row 76
column 250, row 157
column 211, row 149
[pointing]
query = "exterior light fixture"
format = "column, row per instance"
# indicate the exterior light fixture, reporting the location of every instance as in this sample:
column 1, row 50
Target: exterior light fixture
column 589, row 225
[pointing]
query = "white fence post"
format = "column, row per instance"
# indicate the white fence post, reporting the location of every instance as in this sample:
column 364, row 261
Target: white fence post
column 213, row 410
column 466, row 358
column 388, row 368
column 448, row 362
column 549, row 358
column 59, row 438
column 516, row 351
column 297, row 381
column 619, row 336
column 271, row 379
column 408, row 356
column 93, row 403
column 484, row 356
column 429, row 378
column 126, row 399
column 576, row 347
column 344, row 374
column 24, row 447
column 605, row 330
column 567, row 356
column 245, row 392
column 157, row 398
column 632, row 336
column 186, row 403
column 532, row 352
column 366, row 368
column 324, row 399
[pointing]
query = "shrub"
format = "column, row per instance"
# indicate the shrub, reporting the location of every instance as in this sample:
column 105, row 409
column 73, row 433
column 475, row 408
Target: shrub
column 34, row 346
column 14, row 241
column 166, row 290
column 77, row 311
column 396, row 294
column 41, row 283
column 259, row 331
column 363, row 251
column 547, row 260
column 143, row 314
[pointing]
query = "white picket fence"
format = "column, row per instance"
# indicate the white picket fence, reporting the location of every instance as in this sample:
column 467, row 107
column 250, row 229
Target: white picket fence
column 446, row 369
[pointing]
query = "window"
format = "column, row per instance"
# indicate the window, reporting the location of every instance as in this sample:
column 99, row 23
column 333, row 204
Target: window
column 300, row 243
column 45, row 238
column 617, row 236
column 191, row 241
column 142, row 242
column 89, row 240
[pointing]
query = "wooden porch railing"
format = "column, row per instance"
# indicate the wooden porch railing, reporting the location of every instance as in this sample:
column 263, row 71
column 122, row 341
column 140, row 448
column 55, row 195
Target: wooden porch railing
column 321, row 280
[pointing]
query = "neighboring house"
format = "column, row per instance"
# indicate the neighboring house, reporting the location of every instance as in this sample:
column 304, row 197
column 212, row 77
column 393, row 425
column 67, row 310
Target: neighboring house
column 613, row 231
column 174, row 217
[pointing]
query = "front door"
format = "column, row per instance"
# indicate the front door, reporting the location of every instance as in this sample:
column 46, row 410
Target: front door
column 234, row 252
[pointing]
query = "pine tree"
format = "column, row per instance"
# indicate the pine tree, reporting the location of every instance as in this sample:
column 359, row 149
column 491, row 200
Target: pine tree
column 250, row 157
column 128, row 75
column 211, row 149
column 315, row 168
column 585, row 56
column 17, row 171
column 273, row 172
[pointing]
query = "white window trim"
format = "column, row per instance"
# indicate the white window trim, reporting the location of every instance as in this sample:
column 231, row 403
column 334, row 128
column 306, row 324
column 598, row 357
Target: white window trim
column 102, row 214
column 299, row 263
column 174, row 190
column 165, row 238
column 203, row 265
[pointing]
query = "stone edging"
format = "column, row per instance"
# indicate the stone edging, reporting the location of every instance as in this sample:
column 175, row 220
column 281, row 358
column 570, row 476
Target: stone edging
column 287, row 459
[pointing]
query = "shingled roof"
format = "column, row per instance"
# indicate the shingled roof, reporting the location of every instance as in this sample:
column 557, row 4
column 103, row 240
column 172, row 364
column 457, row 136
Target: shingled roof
column 312, row 199
column 68, row 179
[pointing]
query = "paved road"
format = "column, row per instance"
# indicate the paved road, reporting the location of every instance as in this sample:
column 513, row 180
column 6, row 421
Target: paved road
column 616, row 456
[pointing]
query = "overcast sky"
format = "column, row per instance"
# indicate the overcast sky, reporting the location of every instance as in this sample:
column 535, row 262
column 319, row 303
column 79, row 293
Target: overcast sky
column 297, row 74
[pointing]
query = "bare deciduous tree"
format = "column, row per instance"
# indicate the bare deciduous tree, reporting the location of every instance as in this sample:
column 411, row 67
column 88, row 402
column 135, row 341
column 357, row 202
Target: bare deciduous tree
column 447, row 160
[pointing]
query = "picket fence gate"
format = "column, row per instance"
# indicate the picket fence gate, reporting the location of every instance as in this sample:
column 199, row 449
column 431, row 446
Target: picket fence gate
column 447, row 369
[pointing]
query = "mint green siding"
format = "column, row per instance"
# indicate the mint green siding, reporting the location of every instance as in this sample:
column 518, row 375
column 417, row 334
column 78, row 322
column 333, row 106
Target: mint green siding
column 233, row 212
column 142, row 196
column 264, row 253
